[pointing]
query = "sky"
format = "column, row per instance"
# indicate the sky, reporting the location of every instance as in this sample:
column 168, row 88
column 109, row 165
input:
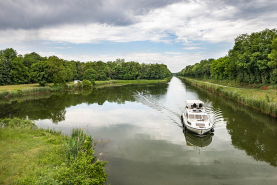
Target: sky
column 174, row 32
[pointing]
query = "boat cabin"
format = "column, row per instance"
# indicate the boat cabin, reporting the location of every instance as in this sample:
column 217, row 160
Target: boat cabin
column 194, row 104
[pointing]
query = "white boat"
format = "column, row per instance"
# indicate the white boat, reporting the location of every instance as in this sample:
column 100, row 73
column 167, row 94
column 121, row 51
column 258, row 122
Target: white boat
column 195, row 118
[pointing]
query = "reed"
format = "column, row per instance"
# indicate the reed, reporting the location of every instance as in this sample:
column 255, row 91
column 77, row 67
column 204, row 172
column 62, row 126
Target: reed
column 4, row 93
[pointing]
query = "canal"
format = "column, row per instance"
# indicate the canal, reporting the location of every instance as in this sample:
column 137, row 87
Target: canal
column 139, row 132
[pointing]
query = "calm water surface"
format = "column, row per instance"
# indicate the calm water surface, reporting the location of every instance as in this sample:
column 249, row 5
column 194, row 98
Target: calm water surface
column 139, row 133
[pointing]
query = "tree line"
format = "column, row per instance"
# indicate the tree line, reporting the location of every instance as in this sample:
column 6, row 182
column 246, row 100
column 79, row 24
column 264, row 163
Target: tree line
column 253, row 59
column 33, row 68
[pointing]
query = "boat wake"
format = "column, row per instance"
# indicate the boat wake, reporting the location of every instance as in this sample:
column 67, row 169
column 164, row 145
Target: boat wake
column 152, row 102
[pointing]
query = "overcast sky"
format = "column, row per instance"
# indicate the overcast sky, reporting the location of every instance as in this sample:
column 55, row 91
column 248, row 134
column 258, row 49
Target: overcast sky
column 174, row 32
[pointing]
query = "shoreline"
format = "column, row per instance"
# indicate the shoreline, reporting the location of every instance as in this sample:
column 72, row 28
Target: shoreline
column 15, row 91
column 250, row 97
column 32, row 155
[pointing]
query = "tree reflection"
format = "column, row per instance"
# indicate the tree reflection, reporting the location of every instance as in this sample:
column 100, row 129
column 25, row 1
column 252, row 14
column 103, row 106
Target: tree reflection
column 250, row 130
column 54, row 107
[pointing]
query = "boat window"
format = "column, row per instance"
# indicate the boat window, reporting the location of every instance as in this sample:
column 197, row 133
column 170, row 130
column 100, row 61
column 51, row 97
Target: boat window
column 197, row 116
column 191, row 116
column 205, row 117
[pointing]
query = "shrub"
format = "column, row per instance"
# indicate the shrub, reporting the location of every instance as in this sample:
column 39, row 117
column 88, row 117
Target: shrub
column 90, row 74
column 42, row 83
column 87, row 84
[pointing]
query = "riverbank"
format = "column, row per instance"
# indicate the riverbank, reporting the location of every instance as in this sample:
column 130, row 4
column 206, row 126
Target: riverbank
column 263, row 100
column 30, row 155
column 10, row 91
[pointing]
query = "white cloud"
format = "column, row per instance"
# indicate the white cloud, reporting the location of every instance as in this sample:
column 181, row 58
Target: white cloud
column 62, row 47
column 191, row 48
column 173, row 53
column 187, row 21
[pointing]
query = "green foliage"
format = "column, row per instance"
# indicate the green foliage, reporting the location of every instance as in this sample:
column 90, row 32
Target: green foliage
column 273, row 56
column 6, row 56
column 19, row 72
column 86, row 84
column 253, row 59
column 38, row 72
column 90, row 74
column 32, row 68
column 56, row 70
column 80, row 167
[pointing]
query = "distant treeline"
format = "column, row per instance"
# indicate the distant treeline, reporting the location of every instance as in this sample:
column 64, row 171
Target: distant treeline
column 253, row 59
column 33, row 68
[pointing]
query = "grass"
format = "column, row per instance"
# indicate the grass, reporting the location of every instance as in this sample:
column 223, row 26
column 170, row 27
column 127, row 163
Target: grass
column 15, row 87
column 263, row 100
column 30, row 155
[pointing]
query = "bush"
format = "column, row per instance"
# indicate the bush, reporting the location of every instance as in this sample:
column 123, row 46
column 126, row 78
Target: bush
column 87, row 84
column 90, row 74
column 42, row 83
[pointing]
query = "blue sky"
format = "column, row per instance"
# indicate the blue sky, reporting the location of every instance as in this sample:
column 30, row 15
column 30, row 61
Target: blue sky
column 174, row 32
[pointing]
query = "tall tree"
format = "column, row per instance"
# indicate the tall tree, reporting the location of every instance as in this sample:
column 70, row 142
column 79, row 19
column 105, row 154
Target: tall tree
column 56, row 70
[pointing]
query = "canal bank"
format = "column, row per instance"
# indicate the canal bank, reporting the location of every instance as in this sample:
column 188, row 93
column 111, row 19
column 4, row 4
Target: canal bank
column 32, row 155
column 12, row 91
column 248, row 97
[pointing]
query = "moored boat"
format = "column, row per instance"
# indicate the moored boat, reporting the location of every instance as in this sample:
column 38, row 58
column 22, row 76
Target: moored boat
column 195, row 118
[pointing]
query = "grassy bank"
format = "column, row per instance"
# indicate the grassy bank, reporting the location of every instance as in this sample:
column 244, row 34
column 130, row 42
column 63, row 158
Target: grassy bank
column 11, row 91
column 30, row 155
column 254, row 97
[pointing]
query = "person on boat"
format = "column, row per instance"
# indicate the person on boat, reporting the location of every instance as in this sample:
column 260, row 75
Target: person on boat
column 194, row 105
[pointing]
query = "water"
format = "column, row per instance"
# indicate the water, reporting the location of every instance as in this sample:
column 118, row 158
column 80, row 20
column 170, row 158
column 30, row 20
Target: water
column 139, row 133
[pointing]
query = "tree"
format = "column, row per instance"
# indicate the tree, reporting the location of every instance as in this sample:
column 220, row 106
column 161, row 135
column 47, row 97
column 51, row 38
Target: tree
column 19, row 72
column 56, row 70
column 6, row 56
column 38, row 72
column 273, row 63
column 90, row 75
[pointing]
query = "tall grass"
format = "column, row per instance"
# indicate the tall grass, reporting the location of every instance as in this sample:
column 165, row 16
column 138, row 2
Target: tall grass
column 266, row 105
column 32, row 155
column 4, row 94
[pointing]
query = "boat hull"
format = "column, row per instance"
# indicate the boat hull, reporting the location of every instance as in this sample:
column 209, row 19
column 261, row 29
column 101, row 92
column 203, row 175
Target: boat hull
column 199, row 131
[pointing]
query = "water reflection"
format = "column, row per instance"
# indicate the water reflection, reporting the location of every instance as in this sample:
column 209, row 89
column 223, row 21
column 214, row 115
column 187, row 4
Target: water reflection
column 250, row 130
column 195, row 140
column 54, row 107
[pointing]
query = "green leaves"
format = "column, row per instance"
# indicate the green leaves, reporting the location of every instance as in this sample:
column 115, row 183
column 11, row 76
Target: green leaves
column 56, row 70
column 253, row 59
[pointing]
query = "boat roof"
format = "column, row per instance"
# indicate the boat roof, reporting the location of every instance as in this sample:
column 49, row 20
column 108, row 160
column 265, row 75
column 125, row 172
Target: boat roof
column 194, row 101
